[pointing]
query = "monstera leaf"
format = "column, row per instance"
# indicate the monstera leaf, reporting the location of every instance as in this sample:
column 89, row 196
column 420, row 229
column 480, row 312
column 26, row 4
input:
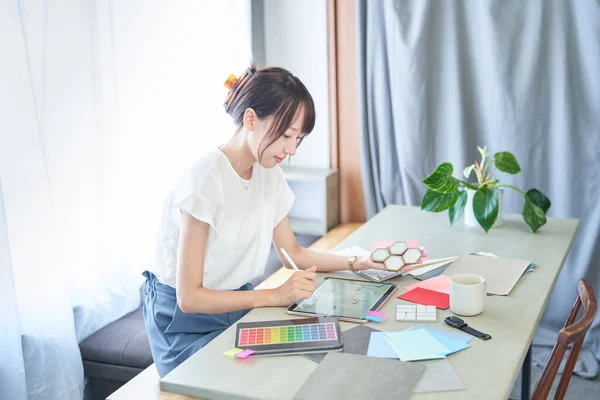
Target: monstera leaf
column 437, row 202
column 441, row 179
column 507, row 162
column 485, row 206
column 535, row 208
column 457, row 209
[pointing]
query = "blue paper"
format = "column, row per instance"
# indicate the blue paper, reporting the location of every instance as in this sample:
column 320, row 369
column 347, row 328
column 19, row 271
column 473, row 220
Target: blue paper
column 416, row 344
column 378, row 347
column 461, row 337
column 451, row 344
column 374, row 318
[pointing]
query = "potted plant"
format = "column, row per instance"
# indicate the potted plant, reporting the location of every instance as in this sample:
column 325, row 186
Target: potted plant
column 444, row 192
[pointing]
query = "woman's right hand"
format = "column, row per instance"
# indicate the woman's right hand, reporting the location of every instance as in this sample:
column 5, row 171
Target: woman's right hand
column 301, row 285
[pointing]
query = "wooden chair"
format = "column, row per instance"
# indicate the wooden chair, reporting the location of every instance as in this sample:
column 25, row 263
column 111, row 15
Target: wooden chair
column 572, row 333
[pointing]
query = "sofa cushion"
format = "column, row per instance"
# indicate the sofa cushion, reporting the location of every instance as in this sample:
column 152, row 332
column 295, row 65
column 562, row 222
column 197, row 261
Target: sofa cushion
column 122, row 343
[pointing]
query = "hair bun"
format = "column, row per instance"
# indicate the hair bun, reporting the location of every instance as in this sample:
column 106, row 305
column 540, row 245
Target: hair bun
column 235, row 84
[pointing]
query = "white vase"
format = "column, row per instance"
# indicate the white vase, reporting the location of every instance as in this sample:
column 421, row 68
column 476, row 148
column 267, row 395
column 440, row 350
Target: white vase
column 470, row 219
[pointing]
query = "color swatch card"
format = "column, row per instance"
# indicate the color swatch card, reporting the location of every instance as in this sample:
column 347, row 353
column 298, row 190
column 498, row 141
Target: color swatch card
column 261, row 336
column 418, row 344
column 440, row 283
column 293, row 336
column 427, row 297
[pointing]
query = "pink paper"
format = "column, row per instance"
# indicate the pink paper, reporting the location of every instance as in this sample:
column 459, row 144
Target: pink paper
column 381, row 244
column 245, row 353
column 440, row 283
column 377, row 244
column 376, row 313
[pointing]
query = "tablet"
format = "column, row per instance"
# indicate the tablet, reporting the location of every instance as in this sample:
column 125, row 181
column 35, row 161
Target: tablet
column 347, row 299
column 292, row 336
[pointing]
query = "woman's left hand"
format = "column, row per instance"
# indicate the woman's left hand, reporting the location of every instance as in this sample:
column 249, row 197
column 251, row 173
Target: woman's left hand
column 366, row 263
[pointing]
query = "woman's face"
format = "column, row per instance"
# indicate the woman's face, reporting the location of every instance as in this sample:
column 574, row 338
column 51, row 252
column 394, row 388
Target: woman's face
column 282, row 148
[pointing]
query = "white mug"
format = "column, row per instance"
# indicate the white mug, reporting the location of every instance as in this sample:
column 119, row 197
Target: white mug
column 467, row 294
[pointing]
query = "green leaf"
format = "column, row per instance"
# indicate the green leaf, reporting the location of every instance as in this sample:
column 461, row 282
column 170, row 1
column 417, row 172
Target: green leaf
column 485, row 206
column 539, row 199
column 467, row 171
column 535, row 208
column 507, row 162
column 457, row 209
column 483, row 153
column 436, row 201
column 441, row 179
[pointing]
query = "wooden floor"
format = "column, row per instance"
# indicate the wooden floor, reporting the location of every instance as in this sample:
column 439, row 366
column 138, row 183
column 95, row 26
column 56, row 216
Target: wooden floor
column 145, row 386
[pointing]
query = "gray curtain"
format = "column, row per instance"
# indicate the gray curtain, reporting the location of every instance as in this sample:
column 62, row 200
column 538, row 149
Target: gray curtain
column 438, row 78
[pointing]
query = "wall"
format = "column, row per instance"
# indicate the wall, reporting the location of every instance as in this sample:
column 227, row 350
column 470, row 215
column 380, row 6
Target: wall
column 295, row 37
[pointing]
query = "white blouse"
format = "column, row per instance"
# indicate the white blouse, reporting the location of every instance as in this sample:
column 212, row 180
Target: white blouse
column 241, row 220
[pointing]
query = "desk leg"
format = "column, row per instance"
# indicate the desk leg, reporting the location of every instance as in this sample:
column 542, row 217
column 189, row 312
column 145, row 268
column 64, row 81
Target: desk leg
column 526, row 376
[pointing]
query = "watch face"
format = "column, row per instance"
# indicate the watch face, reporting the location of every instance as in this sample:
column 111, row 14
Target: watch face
column 454, row 321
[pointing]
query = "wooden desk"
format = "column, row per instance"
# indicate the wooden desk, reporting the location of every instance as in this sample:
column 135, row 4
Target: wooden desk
column 146, row 384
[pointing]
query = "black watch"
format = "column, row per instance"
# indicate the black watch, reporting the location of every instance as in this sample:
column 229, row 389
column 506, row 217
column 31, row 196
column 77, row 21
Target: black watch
column 458, row 323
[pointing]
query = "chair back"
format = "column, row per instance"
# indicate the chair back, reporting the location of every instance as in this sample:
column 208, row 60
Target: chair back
column 573, row 333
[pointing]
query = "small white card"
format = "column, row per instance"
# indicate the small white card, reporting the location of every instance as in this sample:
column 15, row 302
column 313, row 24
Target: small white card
column 419, row 312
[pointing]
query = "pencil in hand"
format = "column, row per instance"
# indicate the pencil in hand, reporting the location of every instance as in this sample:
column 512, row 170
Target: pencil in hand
column 293, row 264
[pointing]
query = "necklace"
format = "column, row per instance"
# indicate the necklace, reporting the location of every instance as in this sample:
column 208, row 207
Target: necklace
column 245, row 182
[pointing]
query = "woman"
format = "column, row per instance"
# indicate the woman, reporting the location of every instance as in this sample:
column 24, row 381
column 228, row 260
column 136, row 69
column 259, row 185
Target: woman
column 220, row 219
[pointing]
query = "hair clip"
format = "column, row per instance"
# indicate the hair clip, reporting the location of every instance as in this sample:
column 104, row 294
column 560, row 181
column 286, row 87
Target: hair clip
column 235, row 87
column 230, row 81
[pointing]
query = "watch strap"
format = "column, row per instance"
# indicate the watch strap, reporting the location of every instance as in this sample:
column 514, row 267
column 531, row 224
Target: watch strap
column 475, row 332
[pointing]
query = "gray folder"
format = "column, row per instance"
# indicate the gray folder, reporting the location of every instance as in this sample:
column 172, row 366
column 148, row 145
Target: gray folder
column 356, row 341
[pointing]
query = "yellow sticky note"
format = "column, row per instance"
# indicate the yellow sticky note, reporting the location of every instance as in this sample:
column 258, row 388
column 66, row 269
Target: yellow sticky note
column 232, row 352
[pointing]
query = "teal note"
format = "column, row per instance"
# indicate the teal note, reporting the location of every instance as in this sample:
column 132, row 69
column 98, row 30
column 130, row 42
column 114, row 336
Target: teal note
column 416, row 345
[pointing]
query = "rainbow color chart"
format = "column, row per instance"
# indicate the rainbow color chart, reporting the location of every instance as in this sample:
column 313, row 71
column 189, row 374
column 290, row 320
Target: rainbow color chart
column 287, row 334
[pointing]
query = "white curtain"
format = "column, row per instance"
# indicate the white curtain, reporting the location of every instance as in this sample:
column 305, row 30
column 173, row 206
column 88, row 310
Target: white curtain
column 102, row 105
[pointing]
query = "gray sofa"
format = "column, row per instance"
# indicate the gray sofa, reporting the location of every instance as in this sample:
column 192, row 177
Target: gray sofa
column 119, row 351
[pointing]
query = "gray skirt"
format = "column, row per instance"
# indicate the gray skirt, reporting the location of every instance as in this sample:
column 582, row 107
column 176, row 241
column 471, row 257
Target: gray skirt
column 174, row 335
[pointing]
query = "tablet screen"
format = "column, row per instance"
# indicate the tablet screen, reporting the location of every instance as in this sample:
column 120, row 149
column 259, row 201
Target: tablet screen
column 345, row 298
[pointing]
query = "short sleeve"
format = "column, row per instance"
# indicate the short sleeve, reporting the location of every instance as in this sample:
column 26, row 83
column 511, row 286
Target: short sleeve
column 199, row 207
column 198, row 194
column 284, row 198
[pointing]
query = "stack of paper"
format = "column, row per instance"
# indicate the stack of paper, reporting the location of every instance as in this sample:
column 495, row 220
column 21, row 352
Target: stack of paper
column 417, row 343
column 440, row 283
column 427, row 297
